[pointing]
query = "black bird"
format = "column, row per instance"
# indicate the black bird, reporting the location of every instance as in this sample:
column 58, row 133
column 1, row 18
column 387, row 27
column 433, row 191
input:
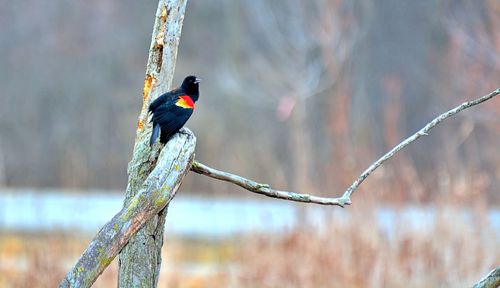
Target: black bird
column 172, row 109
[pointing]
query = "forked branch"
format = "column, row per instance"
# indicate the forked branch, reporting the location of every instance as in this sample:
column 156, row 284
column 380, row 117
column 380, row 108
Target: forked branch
column 345, row 199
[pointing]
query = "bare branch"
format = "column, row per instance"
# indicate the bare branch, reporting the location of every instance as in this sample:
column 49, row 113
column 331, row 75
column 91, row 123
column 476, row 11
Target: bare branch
column 422, row 132
column 156, row 192
column 492, row 280
column 263, row 189
column 266, row 190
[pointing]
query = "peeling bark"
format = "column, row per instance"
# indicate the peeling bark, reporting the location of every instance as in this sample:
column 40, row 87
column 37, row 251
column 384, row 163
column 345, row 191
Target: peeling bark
column 154, row 176
column 140, row 260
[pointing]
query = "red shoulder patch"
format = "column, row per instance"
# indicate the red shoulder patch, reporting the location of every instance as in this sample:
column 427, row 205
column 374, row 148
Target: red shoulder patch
column 185, row 102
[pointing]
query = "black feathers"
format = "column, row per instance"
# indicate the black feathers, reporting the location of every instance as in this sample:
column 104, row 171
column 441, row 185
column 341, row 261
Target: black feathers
column 172, row 109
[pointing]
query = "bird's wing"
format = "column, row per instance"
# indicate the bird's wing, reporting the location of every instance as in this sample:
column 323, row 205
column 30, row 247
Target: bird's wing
column 171, row 118
column 169, row 97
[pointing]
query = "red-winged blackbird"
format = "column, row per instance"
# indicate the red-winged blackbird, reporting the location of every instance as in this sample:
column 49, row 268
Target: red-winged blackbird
column 172, row 109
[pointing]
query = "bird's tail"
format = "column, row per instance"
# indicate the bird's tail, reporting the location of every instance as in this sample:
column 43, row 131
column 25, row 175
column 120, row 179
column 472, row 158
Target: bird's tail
column 154, row 134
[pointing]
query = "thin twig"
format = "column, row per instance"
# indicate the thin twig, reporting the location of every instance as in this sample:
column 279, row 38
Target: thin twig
column 345, row 199
column 422, row 132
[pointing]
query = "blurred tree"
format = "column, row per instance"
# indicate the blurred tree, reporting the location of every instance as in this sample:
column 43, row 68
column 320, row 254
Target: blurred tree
column 2, row 167
column 334, row 83
column 295, row 51
column 70, row 127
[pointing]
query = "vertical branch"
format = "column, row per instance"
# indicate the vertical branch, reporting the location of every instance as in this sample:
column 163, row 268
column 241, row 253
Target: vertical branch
column 162, row 54
column 140, row 260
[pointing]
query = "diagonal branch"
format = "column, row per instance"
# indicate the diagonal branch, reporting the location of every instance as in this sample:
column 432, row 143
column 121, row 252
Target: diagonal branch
column 345, row 199
column 422, row 132
column 492, row 280
column 154, row 195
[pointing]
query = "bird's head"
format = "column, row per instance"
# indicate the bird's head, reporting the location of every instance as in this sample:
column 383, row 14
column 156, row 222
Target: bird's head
column 190, row 85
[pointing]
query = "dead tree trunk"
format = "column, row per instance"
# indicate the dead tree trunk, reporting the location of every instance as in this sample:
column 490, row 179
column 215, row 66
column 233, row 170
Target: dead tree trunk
column 154, row 176
column 140, row 260
column 155, row 193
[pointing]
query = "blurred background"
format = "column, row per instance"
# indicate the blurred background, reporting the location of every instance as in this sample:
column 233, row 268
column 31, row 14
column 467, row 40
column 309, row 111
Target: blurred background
column 303, row 95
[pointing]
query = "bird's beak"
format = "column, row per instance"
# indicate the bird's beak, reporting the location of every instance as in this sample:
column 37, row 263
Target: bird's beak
column 197, row 80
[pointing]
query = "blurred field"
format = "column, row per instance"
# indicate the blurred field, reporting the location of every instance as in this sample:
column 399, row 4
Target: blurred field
column 453, row 251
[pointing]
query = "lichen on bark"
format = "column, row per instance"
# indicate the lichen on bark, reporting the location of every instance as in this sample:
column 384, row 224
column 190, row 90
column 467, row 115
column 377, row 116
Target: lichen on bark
column 140, row 260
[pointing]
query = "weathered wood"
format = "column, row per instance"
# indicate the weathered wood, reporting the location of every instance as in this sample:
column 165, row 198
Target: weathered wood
column 153, row 179
column 492, row 280
column 140, row 260
column 154, row 195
